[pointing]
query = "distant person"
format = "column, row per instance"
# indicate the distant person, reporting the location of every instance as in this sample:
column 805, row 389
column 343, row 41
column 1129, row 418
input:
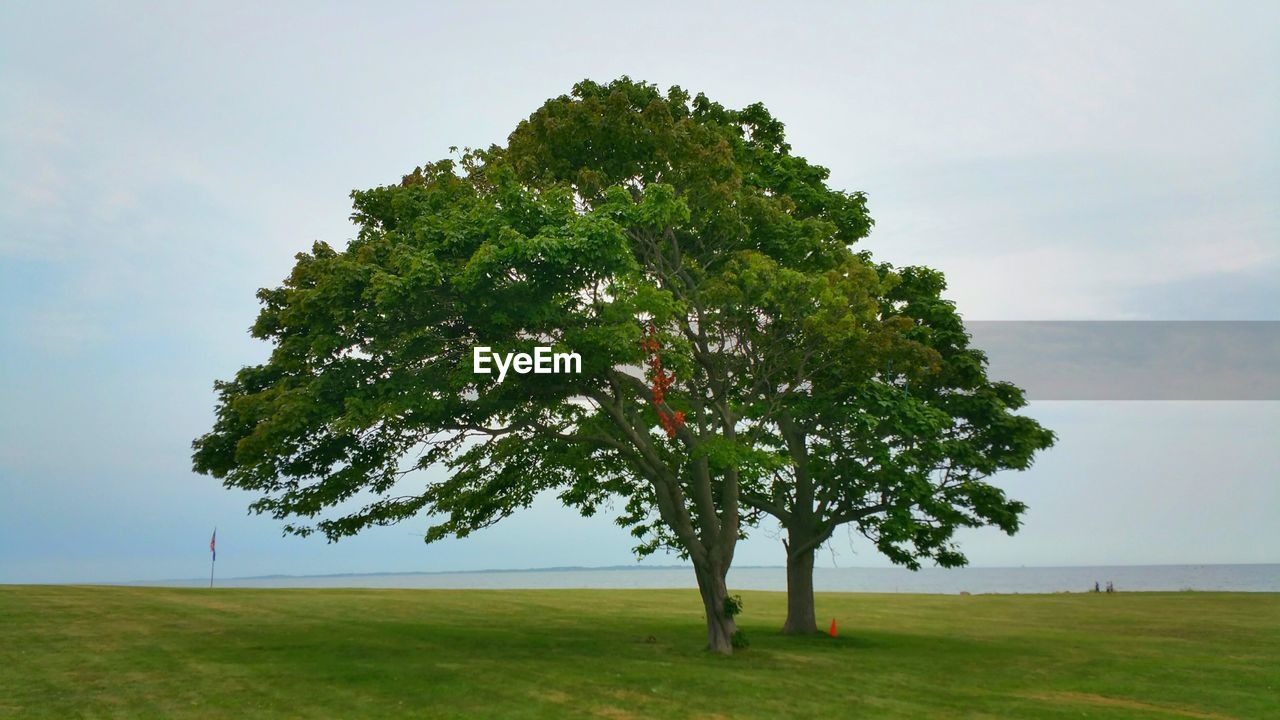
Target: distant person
column 1096, row 587
column 1110, row 587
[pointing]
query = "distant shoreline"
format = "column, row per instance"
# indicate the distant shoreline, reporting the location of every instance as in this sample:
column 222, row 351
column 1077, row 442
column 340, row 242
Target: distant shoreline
column 1255, row 577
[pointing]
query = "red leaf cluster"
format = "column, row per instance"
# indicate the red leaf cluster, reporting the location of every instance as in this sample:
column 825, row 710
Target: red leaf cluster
column 661, row 380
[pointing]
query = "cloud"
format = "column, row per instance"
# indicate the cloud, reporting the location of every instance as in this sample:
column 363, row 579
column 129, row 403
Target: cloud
column 1051, row 237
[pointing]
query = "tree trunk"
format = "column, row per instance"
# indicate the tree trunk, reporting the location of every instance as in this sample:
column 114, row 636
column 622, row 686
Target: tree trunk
column 801, row 619
column 720, row 626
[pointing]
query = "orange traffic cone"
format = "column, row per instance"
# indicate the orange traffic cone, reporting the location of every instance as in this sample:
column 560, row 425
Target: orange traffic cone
column 832, row 631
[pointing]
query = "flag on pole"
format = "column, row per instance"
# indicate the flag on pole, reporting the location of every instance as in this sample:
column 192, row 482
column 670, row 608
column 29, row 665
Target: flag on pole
column 213, row 553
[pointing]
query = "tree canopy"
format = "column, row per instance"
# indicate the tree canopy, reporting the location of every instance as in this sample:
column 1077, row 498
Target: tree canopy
column 904, row 456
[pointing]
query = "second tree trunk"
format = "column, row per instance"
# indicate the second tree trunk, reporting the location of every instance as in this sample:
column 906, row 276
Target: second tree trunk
column 801, row 619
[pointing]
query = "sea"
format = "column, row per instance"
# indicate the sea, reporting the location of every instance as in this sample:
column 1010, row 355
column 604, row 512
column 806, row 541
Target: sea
column 973, row 580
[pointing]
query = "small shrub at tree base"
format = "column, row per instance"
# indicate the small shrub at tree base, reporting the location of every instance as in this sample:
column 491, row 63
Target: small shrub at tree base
column 733, row 605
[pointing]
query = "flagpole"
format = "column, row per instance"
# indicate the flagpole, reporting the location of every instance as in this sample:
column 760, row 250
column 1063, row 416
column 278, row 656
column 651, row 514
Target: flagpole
column 213, row 555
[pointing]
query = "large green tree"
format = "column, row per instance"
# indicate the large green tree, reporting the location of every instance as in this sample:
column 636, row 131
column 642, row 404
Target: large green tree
column 621, row 223
column 735, row 353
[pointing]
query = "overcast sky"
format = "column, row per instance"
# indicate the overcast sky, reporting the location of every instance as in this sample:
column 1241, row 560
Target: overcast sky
column 158, row 165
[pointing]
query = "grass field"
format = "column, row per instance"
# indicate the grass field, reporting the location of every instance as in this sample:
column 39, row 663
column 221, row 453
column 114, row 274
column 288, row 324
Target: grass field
column 151, row 652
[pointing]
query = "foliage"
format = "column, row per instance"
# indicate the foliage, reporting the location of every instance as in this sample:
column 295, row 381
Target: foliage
column 733, row 605
column 609, row 211
column 903, row 455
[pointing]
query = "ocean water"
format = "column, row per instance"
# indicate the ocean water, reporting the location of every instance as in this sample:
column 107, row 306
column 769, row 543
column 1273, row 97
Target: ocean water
column 1234, row 578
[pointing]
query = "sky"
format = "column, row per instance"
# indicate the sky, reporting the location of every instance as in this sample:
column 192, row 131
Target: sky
column 159, row 164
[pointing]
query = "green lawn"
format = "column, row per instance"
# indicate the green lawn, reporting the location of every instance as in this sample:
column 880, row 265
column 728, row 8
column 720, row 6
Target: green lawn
column 158, row 652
